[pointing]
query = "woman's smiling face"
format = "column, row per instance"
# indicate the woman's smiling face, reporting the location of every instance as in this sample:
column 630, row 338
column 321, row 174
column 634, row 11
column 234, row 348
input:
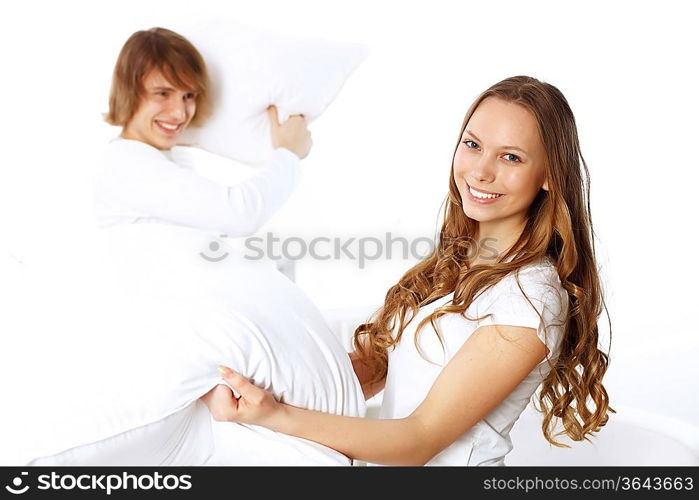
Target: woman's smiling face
column 499, row 166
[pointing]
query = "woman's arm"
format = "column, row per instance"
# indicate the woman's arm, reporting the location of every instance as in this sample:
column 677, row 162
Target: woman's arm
column 488, row 367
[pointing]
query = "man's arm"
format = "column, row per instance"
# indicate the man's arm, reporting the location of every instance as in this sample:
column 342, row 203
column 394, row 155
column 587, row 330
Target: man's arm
column 136, row 179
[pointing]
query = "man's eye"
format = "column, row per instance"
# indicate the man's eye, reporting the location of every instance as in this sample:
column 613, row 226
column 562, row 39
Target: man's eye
column 516, row 158
column 467, row 141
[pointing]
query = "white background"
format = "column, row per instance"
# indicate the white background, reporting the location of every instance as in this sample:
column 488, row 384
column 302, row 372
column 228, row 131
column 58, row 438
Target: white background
column 382, row 151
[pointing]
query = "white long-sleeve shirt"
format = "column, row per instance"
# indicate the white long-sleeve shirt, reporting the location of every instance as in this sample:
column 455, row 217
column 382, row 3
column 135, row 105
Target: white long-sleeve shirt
column 135, row 182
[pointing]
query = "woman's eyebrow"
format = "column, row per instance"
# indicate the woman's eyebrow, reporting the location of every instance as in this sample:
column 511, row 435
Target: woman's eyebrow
column 504, row 147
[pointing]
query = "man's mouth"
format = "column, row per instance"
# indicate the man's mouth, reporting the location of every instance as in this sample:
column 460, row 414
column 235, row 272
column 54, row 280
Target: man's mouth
column 168, row 128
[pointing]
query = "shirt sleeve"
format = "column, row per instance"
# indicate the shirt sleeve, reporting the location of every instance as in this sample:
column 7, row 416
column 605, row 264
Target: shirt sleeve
column 137, row 180
column 539, row 304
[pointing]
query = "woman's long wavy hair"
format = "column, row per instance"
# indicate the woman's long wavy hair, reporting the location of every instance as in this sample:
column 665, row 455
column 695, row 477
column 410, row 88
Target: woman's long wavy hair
column 558, row 226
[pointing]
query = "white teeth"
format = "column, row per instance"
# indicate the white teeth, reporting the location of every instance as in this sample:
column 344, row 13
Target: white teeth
column 168, row 126
column 477, row 194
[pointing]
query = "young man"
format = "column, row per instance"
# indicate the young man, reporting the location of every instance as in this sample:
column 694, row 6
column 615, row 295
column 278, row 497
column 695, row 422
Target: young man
column 159, row 88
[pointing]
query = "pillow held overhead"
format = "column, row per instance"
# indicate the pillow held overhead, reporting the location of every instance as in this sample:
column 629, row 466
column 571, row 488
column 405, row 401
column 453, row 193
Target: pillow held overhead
column 251, row 69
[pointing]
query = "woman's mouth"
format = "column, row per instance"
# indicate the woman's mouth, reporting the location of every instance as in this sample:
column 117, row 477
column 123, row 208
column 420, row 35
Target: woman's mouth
column 482, row 197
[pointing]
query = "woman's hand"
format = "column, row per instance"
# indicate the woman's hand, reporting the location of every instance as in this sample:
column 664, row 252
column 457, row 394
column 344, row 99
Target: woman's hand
column 292, row 134
column 255, row 405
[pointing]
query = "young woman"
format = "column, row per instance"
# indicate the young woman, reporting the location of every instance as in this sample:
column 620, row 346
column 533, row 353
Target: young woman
column 508, row 302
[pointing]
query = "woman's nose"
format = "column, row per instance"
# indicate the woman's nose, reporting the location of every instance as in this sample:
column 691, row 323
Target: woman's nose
column 483, row 170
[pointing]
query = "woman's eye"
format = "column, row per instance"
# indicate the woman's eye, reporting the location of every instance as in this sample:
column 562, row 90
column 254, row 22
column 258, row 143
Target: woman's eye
column 516, row 158
column 512, row 157
column 190, row 95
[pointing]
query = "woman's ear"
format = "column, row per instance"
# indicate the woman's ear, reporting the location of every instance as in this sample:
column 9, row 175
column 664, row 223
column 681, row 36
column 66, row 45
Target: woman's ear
column 545, row 186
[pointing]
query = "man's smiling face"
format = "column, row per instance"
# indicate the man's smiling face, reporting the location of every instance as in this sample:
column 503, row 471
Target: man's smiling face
column 163, row 113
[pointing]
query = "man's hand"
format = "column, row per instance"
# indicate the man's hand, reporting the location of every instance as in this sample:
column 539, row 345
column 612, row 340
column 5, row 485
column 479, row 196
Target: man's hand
column 292, row 134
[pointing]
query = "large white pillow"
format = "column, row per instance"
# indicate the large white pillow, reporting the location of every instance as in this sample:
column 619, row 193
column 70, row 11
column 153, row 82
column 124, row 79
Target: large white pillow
column 251, row 69
column 115, row 354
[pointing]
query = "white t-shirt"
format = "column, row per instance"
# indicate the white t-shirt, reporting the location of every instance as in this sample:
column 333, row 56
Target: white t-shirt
column 410, row 376
column 136, row 182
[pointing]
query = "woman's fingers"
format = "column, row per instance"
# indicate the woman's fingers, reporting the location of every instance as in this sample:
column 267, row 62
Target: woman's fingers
column 255, row 405
column 221, row 403
column 243, row 386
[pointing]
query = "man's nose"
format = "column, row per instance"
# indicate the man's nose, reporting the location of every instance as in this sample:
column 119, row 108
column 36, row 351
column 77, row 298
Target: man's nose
column 177, row 108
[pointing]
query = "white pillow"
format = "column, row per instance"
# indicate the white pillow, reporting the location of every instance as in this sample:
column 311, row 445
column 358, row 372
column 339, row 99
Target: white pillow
column 115, row 369
column 251, row 69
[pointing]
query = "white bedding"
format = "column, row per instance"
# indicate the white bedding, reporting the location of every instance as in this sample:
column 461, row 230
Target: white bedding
column 134, row 346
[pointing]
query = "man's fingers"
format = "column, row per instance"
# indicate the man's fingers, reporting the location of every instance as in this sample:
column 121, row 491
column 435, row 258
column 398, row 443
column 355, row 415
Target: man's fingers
column 297, row 118
column 273, row 116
